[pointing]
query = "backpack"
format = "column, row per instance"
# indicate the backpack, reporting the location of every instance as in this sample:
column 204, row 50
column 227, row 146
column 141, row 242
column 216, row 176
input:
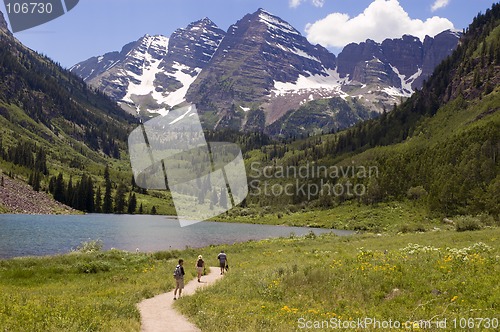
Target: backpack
column 222, row 257
column 177, row 272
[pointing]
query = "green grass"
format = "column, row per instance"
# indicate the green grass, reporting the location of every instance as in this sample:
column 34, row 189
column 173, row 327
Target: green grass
column 271, row 284
column 392, row 216
column 81, row 291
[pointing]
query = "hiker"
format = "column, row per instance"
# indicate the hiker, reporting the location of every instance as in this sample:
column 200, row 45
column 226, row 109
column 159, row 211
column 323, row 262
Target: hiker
column 222, row 257
column 200, row 265
column 179, row 278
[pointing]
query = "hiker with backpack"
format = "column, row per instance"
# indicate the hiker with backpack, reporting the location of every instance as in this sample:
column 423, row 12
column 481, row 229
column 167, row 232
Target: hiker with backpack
column 200, row 265
column 222, row 257
column 179, row 278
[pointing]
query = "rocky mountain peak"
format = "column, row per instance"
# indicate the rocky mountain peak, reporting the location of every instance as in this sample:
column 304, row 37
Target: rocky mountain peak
column 261, row 64
column 274, row 22
column 3, row 22
column 404, row 53
column 195, row 44
column 205, row 22
column 152, row 74
column 401, row 62
column 354, row 54
column 258, row 51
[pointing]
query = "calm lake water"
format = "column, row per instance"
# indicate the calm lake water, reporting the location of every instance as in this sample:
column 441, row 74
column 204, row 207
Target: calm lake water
column 39, row 235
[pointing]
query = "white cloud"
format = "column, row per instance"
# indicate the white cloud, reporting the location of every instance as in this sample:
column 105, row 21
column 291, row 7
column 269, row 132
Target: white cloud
column 382, row 19
column 296, row 3
column 318, row 3
column 439, row 4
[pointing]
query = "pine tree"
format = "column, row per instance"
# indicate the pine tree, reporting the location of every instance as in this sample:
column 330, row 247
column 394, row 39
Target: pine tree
column 153, row 210
column 36, row 181
column 120, row 198
column 70, row 191
column 41, row 161
column 98, row 201
column 132, row 203
column 59, row 189
column 89, row 196
column 141, row 210
column 107, row 204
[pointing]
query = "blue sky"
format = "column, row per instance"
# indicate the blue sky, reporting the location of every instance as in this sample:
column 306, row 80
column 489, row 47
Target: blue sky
column 94, row 27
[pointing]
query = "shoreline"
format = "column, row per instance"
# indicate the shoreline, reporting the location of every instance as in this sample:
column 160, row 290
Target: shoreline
column 236, row 233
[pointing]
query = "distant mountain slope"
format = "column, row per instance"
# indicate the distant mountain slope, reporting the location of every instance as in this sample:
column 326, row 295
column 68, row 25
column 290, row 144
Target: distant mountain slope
column 383, row 74
column 320, row 117
column 50, row 120
column 39, row 96
column 153, row 73
column 263, row 64
column 440, row 148
column 258, row 51
column 18, row 197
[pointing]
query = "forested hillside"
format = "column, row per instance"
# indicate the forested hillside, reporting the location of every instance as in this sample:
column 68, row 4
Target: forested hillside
column 52, row 123
column 440, row 148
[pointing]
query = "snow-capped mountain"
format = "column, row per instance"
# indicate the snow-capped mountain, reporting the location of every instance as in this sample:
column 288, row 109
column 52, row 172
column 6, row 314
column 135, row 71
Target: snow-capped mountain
column 261, row 69
column 383, row 73
column 153, row 73
column 258, row 52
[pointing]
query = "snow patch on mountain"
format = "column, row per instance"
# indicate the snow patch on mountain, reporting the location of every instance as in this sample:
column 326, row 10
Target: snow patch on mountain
column 330, row 85
column 295, row 51
column 274, row 23
column 179, row 96
column 145, row 81
column 406, row 83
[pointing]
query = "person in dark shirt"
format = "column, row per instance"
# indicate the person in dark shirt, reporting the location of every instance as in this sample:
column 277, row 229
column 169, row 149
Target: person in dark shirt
column 179, row 278
column 200, row 265
column 222, row 257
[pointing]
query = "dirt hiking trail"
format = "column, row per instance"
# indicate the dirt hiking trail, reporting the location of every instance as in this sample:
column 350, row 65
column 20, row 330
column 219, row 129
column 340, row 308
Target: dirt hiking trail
column 158, row 315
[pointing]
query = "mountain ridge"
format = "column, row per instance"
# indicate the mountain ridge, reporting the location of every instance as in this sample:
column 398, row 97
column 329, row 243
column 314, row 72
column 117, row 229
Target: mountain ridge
column 3, row 22
column 438, row 150
column 257, row 51
column 153, row 73
column 264, row 64
column 52, row 122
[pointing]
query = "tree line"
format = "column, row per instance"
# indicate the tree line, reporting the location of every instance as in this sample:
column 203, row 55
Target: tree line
column 456, row 175
column 85, row 195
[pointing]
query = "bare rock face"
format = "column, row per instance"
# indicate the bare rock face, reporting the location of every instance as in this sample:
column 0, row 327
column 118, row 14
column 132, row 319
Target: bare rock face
column 3, row 23
column 402, row 63
column 406, row 54
column 354, row 55
column 376, row 71
column 181, row 48
column 436, row 50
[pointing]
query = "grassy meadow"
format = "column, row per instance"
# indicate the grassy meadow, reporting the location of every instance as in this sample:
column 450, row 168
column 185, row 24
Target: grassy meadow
column 393, row 216
column 87, row 290
column 272, row 284
column 279, row 285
